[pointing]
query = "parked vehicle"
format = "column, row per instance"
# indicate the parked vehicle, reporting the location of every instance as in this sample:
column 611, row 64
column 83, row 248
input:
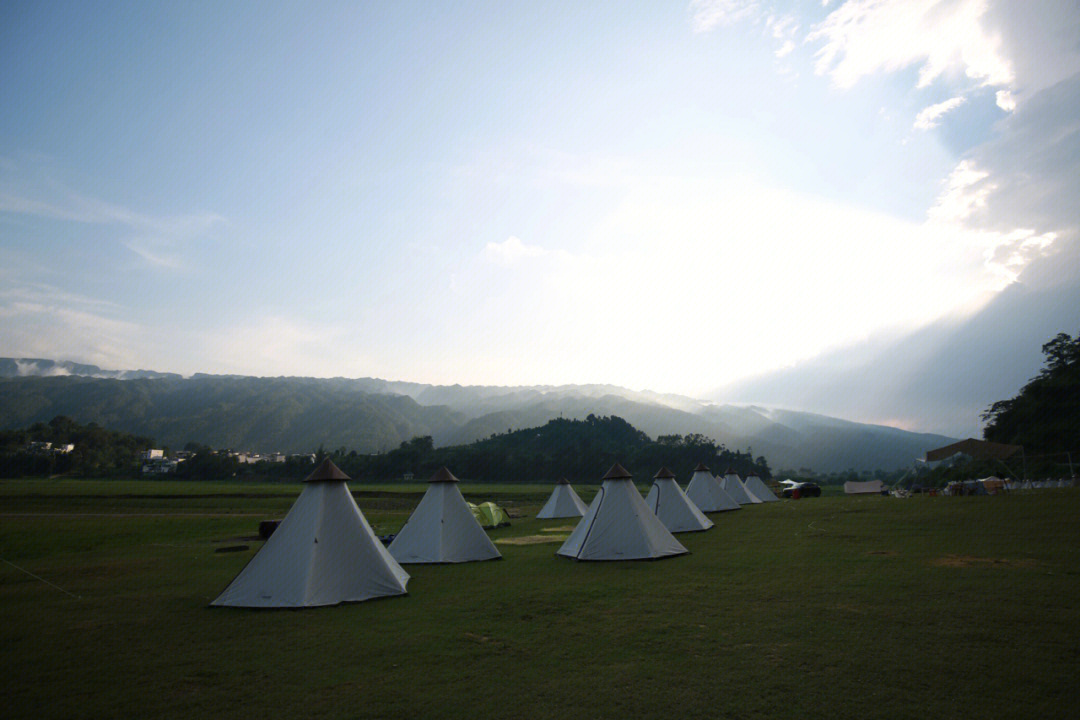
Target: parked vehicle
column 796, row 490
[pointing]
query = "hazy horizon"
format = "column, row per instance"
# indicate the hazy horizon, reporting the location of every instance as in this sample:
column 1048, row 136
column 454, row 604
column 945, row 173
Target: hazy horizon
column 720, row 196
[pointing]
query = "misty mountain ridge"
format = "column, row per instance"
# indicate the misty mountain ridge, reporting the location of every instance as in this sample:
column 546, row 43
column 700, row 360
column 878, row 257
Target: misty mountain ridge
column 297, row 414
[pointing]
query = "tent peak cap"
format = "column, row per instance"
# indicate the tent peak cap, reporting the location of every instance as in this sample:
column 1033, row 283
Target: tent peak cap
column 327, row 471
column 617, row 472
column 443, row 475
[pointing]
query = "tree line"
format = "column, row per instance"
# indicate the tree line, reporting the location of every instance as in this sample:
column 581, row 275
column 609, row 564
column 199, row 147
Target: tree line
column 579, row 450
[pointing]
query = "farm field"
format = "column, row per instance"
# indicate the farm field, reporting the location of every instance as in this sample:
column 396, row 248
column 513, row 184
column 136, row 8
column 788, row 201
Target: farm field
column 860, row 607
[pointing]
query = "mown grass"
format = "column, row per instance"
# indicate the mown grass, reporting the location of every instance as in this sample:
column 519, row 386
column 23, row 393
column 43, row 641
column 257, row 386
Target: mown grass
column 861, row 607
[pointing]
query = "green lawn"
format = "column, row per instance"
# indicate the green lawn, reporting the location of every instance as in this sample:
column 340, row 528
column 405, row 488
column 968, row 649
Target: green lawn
column 857, row 607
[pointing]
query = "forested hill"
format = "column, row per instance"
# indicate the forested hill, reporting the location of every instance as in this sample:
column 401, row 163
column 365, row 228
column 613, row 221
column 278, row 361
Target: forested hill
column 580, row 450
column 297, row 415
column 261, row 414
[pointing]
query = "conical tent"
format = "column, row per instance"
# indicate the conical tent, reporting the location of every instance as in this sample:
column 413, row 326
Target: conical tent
column 668, row 501
column 755, row 487
column 563, row 503
column 442, row 529
column 704, row 491
column 322, row 553
column 733, row 486
column 620, row 526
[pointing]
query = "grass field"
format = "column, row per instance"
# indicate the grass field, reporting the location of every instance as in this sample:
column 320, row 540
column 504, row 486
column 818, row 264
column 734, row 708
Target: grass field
column 860, row 607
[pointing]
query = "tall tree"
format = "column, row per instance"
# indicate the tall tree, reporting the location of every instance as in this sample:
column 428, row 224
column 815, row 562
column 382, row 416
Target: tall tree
column 1045, row 416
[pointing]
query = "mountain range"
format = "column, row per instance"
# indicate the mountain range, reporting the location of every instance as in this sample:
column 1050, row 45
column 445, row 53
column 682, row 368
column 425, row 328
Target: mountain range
column 297, row 414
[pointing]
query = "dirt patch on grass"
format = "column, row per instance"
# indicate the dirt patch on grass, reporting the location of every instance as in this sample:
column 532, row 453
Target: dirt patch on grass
column 564, row 528
column 887, row 553
column 531, row 539
column 963, row 561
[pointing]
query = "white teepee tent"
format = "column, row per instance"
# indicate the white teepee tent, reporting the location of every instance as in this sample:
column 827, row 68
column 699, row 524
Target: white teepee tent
column 675, row 510
column 758, row 489
column 442, row 529
column 620, row 526
column 563, row 503
column 704, row 491
column 322, row 553
column 733, row 486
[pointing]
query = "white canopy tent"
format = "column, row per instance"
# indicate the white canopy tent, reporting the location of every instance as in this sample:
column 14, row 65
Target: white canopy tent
column 758, row 489
column 867, row 487
column 668, row 501
column 322, row 553
column 563, row 503
column 620, row 526
column 704, row 491
column 733, row 486
column 442, row 529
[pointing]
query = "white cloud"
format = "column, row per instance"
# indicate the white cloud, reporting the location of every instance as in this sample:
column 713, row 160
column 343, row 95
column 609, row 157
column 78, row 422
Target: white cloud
column 157, row 239
column 965, row 192
column 510, row 251
column 1005, row 100
column 43, row 321
column 709, row 14
column 929, row 117
column 863, row 37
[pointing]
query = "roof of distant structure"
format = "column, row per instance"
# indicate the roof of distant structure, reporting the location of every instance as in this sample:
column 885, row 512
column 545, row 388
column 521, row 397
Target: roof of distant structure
column 974, row 448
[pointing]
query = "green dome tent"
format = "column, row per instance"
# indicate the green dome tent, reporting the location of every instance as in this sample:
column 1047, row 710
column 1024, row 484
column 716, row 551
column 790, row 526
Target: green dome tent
column 489, row 515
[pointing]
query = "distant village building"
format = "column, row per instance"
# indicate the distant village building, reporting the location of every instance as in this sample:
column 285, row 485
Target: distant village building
column 407, row 477
column 40, row 447
column 153, row 454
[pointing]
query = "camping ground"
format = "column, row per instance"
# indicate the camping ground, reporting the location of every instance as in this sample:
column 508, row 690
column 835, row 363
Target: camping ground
column 847, row 606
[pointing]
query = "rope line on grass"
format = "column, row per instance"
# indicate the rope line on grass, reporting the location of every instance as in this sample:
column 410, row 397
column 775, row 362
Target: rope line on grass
column 36, row 577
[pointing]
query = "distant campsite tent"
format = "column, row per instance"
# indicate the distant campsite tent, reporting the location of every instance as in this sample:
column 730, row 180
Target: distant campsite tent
column 620, row 526
column 704, row 491
column 442, row 529
column 870, row 487
column 563, row 503
column 733, row 486
column 756, row 488
column 489, row 515
column 668, row 501
column 322, row 553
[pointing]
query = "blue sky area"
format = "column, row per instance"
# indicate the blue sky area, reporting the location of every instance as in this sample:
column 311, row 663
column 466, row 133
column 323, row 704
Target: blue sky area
column 659, row 195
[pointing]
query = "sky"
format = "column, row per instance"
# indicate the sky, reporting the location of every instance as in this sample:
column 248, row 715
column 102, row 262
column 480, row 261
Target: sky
column 668, row 196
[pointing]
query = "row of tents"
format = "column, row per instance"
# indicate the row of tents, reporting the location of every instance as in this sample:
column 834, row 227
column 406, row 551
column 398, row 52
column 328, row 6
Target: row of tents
column 324, row 552
column 993, row 485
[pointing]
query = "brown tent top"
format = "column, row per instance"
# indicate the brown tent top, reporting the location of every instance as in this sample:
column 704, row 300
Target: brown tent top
column 617, row 472
column 974, row 448
column 562, row 481
column 752, row 474
column 443, row 475
column 701, row 467
column 730, row 471
column 663, row 473
column 326, row 471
